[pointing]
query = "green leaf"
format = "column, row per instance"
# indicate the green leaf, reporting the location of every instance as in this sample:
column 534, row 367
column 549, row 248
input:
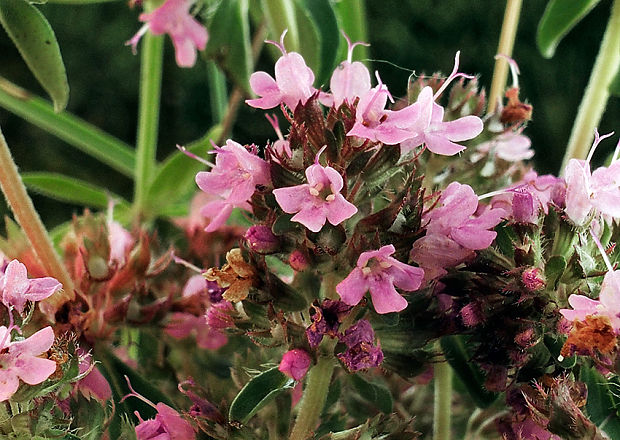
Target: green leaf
column 554, row 269
column 324, row 18
column 71, row 129
column 559, row 18
column 174, row 179
column 455, row 350
column 259, row 391
column 309, row 37
column 614, row 87
column 229, row 41
column 352, row 20
column 377, row 395
column 71, row 190
column 600, row 405
column 37, row 45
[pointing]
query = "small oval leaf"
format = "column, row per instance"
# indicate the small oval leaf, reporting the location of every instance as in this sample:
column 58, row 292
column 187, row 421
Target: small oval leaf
column 559, row 18
column 259, row 391
column 37, row 45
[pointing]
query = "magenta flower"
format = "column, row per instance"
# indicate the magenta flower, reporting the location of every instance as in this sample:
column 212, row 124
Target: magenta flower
column 378, row 273
column 295, row 363
column 439, row 137
column 167, row 425
column 607, row 304
column 292, row 85
column 349, row 81
column 361, row 352
column 234, row 178
column 317, row 201
column 435, row 252
column 94, row 384
column 17, row 289
column 173, row 18
column 18, row 360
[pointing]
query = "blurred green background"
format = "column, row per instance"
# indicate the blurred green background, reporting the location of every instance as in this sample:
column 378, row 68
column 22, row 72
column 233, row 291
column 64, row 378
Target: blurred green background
column 420, row 35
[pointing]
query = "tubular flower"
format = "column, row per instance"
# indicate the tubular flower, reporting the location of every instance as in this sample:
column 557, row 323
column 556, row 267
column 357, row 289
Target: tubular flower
column 377, row 272
column 173, row 18
column 317, row 201
column 167, row 425
column 19, row 360
column 292, row 85
column 234, row 178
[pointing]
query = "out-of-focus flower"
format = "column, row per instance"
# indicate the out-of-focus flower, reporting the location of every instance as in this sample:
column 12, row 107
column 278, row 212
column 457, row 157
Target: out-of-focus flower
column 510, row 146
column 182, row 325
column 378, row 273
column 94, row 384
column 121, row 242
column 292, row 85
column 19, row 360
column 17, row 289
column 295, row 363
column 317, row 201
column 167, row 425
column 173, row 18
column 234, row 178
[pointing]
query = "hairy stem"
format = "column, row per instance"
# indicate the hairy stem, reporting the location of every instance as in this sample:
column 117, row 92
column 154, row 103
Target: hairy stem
column 313, row 400
column 28, row 218
column 148, row 117
column 442, row 401
column 506, row 44
column 596, row 94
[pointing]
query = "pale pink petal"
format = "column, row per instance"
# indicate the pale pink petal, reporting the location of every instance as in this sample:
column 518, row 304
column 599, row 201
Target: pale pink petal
column 339, row 210
column 218, row 212
column 294, row 79
column 36, row 344
column 266, row 87
column 385, row 298
column 441, row 145
column 404, row 276
column 177, row 427
column 473, row 237
column 196, row 285
column 461, row 129
column 95, row 384
column 353, row 287
column 34, row 370
column 293, row 198
column 185, row 50
column 349, row 81
column 41, row 288
column 8, row 384
column 578, row 204
column 312, row 217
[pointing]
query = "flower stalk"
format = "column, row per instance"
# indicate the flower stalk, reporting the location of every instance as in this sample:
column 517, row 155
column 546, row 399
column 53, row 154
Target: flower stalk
column 148, row 117
column 595, row 98
column 442, row 401
column 28, row 218
column 506, row 44
column 313, row 400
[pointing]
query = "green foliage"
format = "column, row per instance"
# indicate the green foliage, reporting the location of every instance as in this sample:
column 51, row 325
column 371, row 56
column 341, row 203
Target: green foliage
column 377, row 395
column 37, row 45
column 602, row 405
column 559, row 18
column 257, row 393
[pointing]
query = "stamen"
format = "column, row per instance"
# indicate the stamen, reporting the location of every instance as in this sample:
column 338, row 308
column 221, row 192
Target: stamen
column 454, row 75
column 366, row 270
column 135, row 394
column 314, row 191
column 273, row 120
column 601, row 250
column 493, row 193
column 316, row 158
column 330, row 198
column 193, row 156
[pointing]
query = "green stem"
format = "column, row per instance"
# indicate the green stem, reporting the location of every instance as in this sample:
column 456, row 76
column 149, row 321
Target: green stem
column 313, row 400
column 596, row 95
column 28, row 218
column 442, row 401
column 71, row 129
column 148, row 117
column 281, row 15
column 506, row 44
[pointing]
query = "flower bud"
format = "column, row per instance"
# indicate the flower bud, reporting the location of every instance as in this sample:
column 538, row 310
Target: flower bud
column 298, row 260
column 262, row 240
column 295, row 363
column 533, row 279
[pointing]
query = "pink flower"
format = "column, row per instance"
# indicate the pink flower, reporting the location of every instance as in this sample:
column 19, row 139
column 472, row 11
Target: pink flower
column 317, row 201
column 439, row 137
column 17, row 289
column 94, row 384
column 121, row 243
column 377, row 272
column 186, row 32
column 511, row 147
column 608, row 303
column 295, row 363
column 234, row 178
column 167, row 425
column 292, row 85
column 18, row 360
column 349, row 81
column 376, row 124
column 454, row 218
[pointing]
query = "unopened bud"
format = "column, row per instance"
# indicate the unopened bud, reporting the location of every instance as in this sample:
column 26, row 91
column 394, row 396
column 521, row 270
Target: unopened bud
column 262, row 240
column 298, row 260
column 533, row 279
